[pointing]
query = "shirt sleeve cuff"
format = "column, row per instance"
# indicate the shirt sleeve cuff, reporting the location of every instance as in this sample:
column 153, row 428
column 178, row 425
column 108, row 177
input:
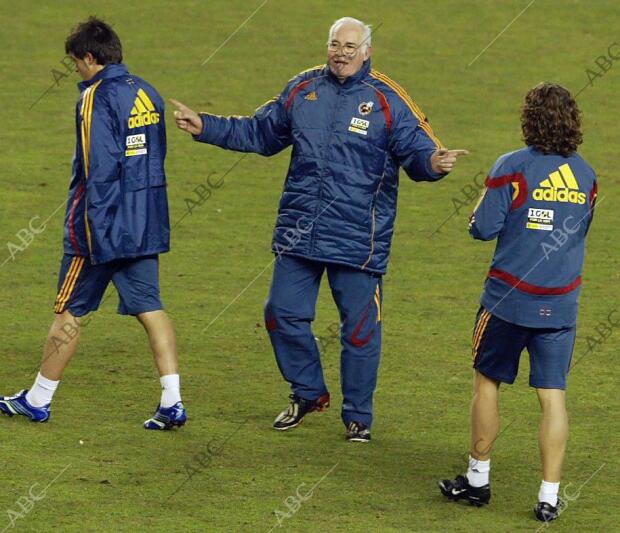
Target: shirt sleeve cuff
column 203, row 135
column 428, row 166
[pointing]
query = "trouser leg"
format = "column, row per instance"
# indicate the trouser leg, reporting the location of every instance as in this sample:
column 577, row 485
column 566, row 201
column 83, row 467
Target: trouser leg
column 289, row 312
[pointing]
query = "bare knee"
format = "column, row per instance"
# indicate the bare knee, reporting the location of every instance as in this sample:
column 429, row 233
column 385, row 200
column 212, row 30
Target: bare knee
column 484, row 385
column 552, row 400
column 149, row 316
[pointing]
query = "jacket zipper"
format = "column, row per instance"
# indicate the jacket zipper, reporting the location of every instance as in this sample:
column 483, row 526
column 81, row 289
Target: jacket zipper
column 323, row 170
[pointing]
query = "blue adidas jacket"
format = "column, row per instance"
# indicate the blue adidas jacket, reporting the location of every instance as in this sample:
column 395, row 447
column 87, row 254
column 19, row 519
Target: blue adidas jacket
column 349, row 140
column 539, row 207
column 117, row 204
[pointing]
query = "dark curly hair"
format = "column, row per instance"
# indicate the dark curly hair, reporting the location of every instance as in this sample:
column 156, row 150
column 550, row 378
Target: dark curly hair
column 551, row 120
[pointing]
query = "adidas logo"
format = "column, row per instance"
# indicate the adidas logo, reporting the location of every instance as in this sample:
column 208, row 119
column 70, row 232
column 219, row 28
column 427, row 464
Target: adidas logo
column 561, row 186
column 143, row 111
column 311, row 96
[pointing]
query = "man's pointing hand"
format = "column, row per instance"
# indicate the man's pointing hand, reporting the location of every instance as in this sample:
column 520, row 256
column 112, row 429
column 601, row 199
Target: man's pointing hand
column 443, row 160
column 187, row 119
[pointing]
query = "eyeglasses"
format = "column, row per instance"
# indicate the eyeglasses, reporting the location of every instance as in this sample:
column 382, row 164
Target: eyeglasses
column 348, row 49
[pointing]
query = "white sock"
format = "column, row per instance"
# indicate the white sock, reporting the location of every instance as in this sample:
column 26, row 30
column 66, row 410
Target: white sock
column 170, row 390
column 478, row 472
column 548, row 492
column 42, row 391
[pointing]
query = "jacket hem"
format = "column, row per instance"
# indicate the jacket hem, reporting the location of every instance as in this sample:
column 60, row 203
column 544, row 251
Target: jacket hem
column 96, row 260
column 493, row 309
column 330, row 261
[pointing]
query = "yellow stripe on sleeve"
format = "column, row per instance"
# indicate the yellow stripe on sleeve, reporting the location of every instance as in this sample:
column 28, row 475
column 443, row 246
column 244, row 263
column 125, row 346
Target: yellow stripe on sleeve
column 417, row 112
column 87, row 115
column 316, row 67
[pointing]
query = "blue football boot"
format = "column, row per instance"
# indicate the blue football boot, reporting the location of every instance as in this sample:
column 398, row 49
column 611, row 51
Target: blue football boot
column 167, row 417
column 18, row 405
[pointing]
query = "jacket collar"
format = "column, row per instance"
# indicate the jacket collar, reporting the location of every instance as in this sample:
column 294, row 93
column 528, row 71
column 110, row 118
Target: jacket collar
column 114, row 70
column 352, row 80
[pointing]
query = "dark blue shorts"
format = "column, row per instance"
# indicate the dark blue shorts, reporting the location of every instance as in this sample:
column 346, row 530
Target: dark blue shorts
column 81, row 285
column 497, row 347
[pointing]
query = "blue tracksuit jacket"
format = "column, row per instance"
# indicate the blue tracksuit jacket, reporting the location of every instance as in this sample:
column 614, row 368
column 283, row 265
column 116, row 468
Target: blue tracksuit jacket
column 539, row 207
column 117, row 204
column 349, row 140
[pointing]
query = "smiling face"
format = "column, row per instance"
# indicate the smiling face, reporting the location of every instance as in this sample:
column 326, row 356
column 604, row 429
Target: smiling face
column 346, row 52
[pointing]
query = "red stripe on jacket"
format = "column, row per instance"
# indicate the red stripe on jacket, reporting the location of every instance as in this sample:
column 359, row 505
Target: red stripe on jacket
column 518, row 283
column 501, row 181
column 385, row 107
column 291, row 97
column 76, row 200
column 593, row 195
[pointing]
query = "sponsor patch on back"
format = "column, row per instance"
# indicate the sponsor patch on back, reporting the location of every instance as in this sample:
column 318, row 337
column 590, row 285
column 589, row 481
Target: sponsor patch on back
column 136, row 145
column 541, row 219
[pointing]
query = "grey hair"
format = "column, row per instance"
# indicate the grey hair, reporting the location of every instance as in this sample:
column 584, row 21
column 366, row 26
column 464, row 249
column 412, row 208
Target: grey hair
column 366, row 30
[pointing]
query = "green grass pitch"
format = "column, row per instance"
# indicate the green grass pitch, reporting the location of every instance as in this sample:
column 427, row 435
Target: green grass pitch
column 227, row 470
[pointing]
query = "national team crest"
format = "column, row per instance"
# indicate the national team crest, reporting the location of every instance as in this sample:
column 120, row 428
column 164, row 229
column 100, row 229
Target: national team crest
column 365, row 108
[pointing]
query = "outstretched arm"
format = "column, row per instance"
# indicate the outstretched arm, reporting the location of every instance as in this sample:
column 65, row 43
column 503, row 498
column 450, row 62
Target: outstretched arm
column 442, row 161
column 417, row 149
column 267, row 132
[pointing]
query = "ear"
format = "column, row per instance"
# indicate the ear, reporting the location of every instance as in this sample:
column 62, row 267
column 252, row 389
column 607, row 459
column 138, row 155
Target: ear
column 89, row 59
column 368, row 53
